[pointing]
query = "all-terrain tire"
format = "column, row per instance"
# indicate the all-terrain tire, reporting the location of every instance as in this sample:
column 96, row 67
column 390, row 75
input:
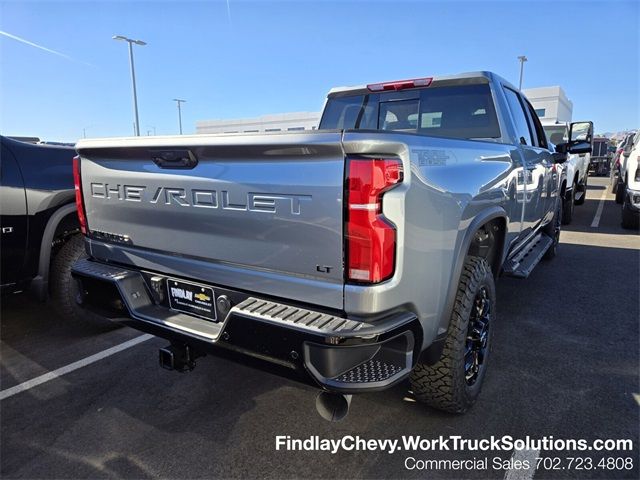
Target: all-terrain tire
column 64, row 288
column 443, row 385
column 568, row 203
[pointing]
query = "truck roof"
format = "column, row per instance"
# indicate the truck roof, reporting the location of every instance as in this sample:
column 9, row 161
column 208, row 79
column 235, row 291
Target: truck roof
column 441, row 80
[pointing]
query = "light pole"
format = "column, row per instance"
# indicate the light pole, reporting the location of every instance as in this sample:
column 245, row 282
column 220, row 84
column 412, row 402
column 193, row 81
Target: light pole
column 133, row 77
column 179, row 102
column 522, row 59
column 84, row 130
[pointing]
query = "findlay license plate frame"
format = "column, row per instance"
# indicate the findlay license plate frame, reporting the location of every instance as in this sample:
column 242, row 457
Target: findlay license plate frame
column 189, row 304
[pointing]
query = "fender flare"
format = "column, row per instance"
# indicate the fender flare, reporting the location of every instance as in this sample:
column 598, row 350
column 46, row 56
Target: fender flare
column 434, row 351
column 40, row 284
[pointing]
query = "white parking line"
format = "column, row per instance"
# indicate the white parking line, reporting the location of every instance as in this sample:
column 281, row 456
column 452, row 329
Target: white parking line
column 524, row 474
column 596, row 219
column 34, row 382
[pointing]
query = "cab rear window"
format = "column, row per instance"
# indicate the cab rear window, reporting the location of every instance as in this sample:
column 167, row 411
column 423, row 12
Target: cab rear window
column 461, row 111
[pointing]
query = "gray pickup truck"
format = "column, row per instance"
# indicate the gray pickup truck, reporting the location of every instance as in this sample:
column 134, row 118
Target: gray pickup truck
column 351, row 257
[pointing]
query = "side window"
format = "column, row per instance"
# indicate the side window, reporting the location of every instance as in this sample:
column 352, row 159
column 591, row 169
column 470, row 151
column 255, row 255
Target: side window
column 342, row 112
column 459, row 111
column 537, row 126
column 519, row 117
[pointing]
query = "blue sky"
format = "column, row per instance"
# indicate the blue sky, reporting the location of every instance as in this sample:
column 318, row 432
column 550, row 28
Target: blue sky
column 237, row 59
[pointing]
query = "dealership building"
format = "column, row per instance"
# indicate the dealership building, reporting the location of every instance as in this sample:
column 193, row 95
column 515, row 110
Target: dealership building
column 280, row 122
column 550, row 103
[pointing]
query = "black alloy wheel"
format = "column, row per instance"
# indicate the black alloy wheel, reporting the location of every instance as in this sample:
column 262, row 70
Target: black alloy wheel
column 477, row 345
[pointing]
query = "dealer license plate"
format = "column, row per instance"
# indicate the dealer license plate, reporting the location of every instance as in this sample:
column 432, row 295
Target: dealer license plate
column 191, row 298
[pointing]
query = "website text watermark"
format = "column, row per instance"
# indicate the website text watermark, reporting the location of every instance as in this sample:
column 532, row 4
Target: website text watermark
column 505, row 443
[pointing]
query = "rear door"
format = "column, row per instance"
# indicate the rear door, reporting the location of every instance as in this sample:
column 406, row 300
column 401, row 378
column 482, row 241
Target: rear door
column 550, row 190
column 537, row 163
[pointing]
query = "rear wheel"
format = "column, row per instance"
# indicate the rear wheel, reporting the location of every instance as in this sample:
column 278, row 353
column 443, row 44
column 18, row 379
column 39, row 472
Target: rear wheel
column 64, row 288
column 453, row 383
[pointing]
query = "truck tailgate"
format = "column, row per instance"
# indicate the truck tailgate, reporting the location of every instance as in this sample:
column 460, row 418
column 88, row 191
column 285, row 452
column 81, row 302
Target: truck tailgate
column 261, row 203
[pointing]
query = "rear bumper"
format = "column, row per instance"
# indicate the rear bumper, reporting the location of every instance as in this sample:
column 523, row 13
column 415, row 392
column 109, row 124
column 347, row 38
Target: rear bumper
column 320, row 348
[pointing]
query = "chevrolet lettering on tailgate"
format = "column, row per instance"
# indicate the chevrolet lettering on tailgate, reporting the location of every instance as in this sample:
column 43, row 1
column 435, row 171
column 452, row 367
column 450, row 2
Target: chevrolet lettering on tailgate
column 252, row 202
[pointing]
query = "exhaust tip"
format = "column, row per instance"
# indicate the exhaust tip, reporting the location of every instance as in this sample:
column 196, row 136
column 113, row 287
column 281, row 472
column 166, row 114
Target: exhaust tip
column 333, row 407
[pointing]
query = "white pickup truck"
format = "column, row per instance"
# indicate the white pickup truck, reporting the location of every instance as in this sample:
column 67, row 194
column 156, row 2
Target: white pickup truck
column 576, row 167
column 628, row 188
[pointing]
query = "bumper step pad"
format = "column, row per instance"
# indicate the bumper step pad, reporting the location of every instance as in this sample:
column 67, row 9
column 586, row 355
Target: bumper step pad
column 371, row 371
column 100, row 270
column 298, row 317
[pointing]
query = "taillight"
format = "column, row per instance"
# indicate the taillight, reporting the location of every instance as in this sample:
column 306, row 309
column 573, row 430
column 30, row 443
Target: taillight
column 371, row 238
column 400, row 84
column 82, row 218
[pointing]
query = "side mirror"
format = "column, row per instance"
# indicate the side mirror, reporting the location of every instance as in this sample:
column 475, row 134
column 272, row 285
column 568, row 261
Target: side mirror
column 580, row 147
column 581, row 132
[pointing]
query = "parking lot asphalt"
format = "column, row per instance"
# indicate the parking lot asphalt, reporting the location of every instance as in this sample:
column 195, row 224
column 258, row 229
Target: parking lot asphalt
column 565, row 363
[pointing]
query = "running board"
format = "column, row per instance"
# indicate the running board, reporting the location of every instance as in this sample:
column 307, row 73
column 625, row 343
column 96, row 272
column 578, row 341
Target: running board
column 522, row 263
